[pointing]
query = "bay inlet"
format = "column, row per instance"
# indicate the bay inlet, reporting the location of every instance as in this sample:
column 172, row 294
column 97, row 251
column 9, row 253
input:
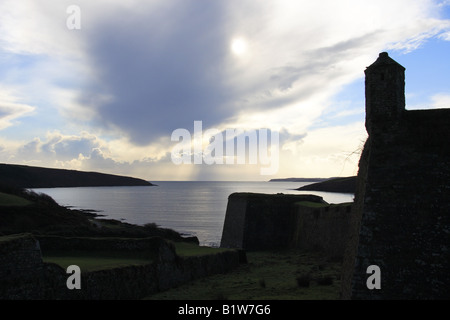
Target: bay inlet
column 194, row 208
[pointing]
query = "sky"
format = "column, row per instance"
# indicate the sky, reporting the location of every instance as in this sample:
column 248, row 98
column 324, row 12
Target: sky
column 107, row 85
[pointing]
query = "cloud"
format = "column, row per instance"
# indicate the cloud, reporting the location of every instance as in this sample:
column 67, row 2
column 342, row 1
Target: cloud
column 90, row 153
column 163, row 68
column 168, row 65
column 440, row 101
column 435, row 101
column 137, row 70
column 325, row 152
column 37, row 28
column 59, row 147
column 10, row 109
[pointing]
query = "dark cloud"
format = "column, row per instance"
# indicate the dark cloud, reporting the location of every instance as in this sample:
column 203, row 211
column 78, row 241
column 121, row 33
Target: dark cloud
column 163, row 67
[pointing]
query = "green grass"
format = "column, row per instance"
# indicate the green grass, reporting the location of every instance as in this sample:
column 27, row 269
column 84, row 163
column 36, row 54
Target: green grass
column 98, row 260
column 322, row 205
column 95, row 260
column 185, row 249
column 343, row 204
column 13, row 200
column 267, row 276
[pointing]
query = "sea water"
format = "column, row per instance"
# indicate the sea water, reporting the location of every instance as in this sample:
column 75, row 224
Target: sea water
column 189, row 207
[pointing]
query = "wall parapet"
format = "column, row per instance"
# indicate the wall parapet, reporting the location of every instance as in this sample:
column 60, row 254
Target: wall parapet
column 278, row 221
column 24, row 275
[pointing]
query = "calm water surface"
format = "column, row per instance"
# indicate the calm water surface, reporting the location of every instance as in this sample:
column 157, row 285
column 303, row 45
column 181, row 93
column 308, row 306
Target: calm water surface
column 192, row 208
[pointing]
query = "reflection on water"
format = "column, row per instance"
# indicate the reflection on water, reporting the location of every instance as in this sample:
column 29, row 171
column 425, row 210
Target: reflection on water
column 194, row 208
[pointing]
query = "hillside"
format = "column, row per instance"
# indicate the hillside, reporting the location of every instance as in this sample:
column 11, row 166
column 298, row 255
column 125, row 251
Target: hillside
column 298, row 180
column 341, row 185
column 21, row 176
column 25, row 211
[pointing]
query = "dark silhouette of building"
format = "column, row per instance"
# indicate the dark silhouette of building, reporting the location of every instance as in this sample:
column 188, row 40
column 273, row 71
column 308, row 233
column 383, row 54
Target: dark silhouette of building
column 402, row 200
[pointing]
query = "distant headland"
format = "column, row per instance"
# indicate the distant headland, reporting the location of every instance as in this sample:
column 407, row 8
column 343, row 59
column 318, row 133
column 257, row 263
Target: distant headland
column 298, row 180
column 21, row 176
column 340, row 185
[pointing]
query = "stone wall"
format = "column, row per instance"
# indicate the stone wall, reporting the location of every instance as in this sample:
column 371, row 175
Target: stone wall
column 24, row 275
column 20, row 265
column 403, row 199
column 261, row 221
column 323, row 229
column 264, row 221
column 19, row 255
column 149, row 247
column 136, row 282
column 351, row 244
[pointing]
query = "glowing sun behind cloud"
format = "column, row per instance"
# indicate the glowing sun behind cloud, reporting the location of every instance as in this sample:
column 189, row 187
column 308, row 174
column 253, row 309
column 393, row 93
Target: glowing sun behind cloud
column 239, row 46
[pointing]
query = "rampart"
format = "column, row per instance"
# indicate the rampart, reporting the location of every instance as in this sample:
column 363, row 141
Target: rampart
column 279, row 221
column 24, row 275
column 323, row 229
column 402, row 203
column 151, row 246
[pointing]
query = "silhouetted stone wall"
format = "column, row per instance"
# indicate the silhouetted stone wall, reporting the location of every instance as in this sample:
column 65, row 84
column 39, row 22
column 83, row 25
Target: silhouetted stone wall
column 21, row 266
column 261, row 221
column 151, row 245
column 24, row 275
column 19, row 256
column 264, row 221
column 323, row 229
column 403, row 197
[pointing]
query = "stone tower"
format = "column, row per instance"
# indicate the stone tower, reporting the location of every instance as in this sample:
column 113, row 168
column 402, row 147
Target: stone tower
column 385, row 93
column 402, row 201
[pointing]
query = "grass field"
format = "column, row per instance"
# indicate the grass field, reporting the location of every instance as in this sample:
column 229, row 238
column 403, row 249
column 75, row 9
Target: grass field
column 95, row 260
column 184, row 249
column 12, row 200
column 283, row 275
column 98, row 260
column 287, row 275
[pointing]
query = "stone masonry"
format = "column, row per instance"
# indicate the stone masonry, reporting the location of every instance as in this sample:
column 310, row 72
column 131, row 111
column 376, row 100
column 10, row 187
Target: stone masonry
column 25, row 276
column 402, row 200
column 278, row 221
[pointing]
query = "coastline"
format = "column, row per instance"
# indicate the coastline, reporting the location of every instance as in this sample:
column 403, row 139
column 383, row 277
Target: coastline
column 22, row 176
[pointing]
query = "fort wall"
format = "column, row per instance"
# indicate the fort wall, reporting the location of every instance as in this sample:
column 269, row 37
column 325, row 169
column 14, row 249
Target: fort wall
column 323, row 229
column 279, row 221
column 402, row 220
column 24, row 275
column 259, row 221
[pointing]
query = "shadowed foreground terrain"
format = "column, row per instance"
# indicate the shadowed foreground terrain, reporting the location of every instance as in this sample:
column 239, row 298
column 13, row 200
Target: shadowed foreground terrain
column 268, row 275
column 39, row 239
